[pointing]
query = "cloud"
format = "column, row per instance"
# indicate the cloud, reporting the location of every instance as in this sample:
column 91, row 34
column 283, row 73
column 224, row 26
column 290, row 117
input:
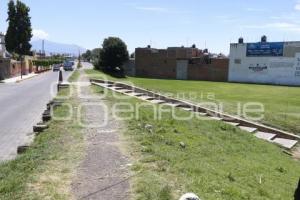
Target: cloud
column 158, row 9
column 39, row 34
column 283, row 26
column 152, row 9
column 227, row 18
column 297, row 6
column 256, row 9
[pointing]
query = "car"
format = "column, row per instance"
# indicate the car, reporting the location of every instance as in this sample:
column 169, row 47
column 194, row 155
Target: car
column 56, row 67
column 68, row 66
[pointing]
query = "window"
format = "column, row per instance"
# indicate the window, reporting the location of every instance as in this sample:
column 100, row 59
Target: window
column 238, row 61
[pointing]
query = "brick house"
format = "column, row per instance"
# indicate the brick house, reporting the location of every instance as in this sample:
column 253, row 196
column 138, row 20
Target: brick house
column 10, row 68
column 180, row 63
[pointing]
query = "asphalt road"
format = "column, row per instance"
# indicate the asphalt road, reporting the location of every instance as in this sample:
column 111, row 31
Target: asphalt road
column 21, row 107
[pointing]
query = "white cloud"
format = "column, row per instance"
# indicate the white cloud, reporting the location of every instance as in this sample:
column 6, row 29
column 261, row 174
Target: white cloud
column 256, row 9
column 160, row 10
column 39, row 34
column 297, row 6
column 227, row 18
column 153, row 9
column 283, row 26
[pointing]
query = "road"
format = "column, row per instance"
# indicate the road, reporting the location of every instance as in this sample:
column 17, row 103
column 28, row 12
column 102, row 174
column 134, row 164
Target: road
column 21, row 107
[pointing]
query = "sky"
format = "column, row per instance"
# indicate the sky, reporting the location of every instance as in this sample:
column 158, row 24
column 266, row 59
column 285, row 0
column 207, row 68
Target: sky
column 162, row 23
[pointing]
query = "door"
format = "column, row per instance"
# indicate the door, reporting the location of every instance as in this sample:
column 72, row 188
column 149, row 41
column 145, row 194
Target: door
column 181, row 69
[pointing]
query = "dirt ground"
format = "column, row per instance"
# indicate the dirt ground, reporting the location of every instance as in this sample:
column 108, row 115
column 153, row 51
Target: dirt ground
column 104, row 172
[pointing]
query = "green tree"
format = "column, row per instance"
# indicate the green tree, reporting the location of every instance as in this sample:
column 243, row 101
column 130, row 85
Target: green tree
column 297, row 192
column 24, row 28
column 113, row 55
column 87, row 55
column 10, row 37
column 96, row 57
column 19, row 32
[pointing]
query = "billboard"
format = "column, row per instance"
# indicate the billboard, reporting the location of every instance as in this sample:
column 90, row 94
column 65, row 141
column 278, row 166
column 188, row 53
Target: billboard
column 267, row 49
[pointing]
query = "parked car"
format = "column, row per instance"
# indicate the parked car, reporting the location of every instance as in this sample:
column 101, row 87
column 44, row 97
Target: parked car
column 56, row 67
column 68, row 66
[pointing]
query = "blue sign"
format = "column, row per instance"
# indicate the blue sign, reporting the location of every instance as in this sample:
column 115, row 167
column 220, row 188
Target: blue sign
column 265, row 49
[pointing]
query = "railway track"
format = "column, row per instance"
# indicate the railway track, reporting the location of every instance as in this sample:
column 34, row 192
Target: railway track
column 282, row 138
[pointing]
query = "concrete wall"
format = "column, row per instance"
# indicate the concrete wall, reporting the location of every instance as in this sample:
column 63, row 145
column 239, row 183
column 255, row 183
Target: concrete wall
column 283, row 70
column 154, row 63
column 129, row 67
column 167, row 64
column 10, row 68
column 2, row 46
column 217, row 70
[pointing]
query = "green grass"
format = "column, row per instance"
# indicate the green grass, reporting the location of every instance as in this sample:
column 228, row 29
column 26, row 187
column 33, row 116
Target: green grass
column 218, row 162
column 282, row 104
column 74, row 76
column 46, row 169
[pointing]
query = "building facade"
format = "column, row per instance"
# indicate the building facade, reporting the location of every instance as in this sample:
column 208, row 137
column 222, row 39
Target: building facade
column 265, row 62
column 180, row 63
column 2, row 46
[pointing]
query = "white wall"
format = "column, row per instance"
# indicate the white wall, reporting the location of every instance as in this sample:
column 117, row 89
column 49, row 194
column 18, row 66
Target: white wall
column 269, row 70
column 2, row 46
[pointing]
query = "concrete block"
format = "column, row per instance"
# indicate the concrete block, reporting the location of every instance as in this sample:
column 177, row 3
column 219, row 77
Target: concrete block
column 135, row 94
column 286, row 143
column 146, row 98
column 125, row 91
column 22, row 149
column 232, row 123
column 172, row 104
column 205, row 114
column 188, row 109
column 248, row 129
column 39, row 128
column 46, row 118
column 265, row 136
column 216, row 118
column 156, row 101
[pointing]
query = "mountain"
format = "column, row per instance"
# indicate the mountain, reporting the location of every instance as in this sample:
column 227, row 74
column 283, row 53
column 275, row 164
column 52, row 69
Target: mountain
column 54, row 47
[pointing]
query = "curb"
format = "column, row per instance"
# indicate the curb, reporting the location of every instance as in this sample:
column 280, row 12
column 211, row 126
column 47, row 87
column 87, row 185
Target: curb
column 40, row 127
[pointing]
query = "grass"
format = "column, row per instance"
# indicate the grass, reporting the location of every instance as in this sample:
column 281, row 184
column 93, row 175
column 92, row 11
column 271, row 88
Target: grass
column 281, row 104
column 218, row 161
column 46, row 169
column 74, row 76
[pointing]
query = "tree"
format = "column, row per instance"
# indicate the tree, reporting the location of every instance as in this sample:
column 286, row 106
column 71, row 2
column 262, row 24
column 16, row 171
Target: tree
column 113, row 55
column 19, row 32
column 297, row 192
column 10, row 37
column 87, row 55
column 96, row 57
column 24, row 29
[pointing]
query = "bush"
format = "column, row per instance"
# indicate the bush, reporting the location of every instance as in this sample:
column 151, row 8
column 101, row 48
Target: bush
column 46, row 63
column 113, row 55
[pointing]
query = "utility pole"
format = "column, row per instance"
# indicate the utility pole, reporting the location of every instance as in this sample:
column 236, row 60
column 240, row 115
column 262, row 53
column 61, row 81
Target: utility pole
column 43, row 49
column 21, row 45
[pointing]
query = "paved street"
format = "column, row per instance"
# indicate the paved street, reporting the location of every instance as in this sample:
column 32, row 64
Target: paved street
column 22, row 105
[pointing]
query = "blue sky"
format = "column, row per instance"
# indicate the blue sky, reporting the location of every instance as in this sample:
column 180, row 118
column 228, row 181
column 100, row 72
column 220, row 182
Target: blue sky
column 162, row 23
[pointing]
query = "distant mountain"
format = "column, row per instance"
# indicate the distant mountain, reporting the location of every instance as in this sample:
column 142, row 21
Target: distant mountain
column 54, row 47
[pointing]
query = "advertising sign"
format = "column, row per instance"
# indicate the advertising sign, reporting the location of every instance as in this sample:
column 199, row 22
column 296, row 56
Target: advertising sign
column 265, row 49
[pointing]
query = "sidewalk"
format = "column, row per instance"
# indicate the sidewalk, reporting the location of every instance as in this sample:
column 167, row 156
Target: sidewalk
column 18, row 78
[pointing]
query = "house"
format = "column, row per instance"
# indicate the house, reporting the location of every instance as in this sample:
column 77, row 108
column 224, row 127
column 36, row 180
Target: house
column 180, row 63
column 265, row 62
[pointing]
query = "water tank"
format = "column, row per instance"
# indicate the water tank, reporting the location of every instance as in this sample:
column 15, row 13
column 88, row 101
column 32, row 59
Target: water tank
column 241, row 40
column 264, row 39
